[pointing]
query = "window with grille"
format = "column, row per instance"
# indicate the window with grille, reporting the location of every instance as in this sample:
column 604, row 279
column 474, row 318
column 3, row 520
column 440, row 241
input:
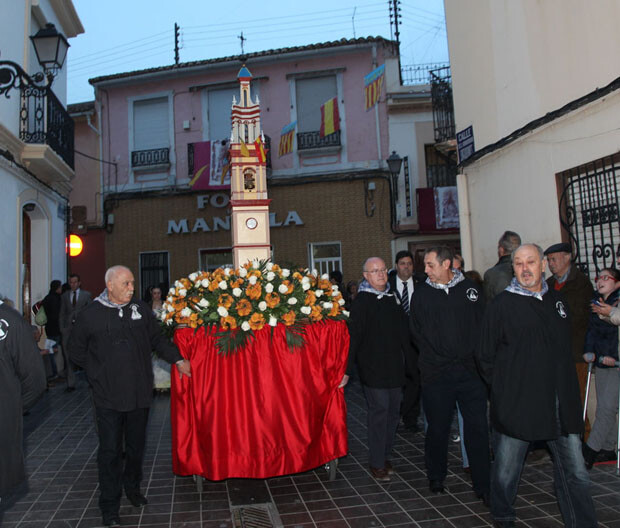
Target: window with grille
column 325, row 257
column 440, row 169
column 211, row 259
column 154, row 272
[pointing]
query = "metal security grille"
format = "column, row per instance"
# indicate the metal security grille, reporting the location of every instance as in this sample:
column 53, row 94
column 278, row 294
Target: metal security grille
column 589, row 208
column 258, row 516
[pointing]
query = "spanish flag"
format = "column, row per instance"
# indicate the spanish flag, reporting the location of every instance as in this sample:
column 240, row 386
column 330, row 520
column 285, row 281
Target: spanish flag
column 330, row 119
column 286, row 139
column 373, row 84
column 261, row 153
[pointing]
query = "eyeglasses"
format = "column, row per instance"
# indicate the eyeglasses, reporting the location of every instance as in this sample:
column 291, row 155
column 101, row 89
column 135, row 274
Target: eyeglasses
column 605, row 278
column 375, row 271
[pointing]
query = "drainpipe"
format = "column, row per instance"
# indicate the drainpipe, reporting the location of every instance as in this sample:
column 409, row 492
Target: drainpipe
column 465, row 219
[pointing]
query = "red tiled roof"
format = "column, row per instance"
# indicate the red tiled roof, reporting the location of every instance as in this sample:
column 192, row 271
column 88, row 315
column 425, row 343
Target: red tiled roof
column 79, row 108
column 240, row 58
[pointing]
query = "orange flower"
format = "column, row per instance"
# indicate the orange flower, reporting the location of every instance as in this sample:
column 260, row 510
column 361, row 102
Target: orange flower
column 289, row 318
column 255, row 272
column 254, row 291
column 257, row 321
column 237, row 283
column 335, row 310
column 324, row 284
column 289, row 286
column 272, row 300
column 225, row 300
column 297, row 275
column 244, row 307
column 310, row 298
column 213, row 285
column 228, row 322
column 316, row 314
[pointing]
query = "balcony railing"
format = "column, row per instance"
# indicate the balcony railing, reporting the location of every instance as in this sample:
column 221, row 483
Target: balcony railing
column 443, row 107
column 44, row 120
column 420, row 73
column 150, row 157
column 313, row 140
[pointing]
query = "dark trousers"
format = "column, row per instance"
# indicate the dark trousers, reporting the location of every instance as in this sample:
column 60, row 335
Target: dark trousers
column 439, row 398
column 383, row 418
column 114, row 427
column 410, row 406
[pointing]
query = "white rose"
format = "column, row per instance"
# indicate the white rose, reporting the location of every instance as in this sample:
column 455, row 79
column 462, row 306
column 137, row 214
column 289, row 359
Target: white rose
column 222, row 312
column 252, row 280
column 346, row 313
column 283, row 288
column 203, row 302
column 269, row 288
column 170, row 308
column 171, row 291
column 182, row 292
column 335, row 293
column 325, row 276
column 305, row 278
column 169, row 322
column 227, row 272
column 186, row 312
column 262, row 306
column 292, row 300
column 193, row 276
column 318, row 293
column 341, row 302
column 328, row 305
column 305, row 286
column 245, row 326
column 204, row 283
column 269, row 266
column 222, row 285
column 178, row 284
column 314, row 272
column 255, row 264
column 243, row 272
column 270, row 275
column 236, row 292
column 286, row 272
column 306, row 310
column 334, row 287
column 273, row 321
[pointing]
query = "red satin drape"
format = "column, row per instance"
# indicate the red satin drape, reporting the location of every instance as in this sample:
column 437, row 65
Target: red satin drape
column 264, row 411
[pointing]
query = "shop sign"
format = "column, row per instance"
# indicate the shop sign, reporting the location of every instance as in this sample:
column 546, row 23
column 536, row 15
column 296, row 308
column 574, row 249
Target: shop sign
column 218, row 223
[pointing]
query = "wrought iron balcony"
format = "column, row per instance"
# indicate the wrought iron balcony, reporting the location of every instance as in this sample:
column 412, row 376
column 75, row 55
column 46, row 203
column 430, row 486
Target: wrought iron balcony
column 150, row 157
column 313, row 140
column 417, row 74
column 44, row 120
column 443, row 106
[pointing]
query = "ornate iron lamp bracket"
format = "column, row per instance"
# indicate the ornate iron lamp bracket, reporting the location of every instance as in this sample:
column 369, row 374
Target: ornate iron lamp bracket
column 12, row 76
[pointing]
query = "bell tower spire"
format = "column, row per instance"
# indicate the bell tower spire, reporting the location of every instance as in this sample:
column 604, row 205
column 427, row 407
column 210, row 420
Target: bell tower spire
column 248, row 182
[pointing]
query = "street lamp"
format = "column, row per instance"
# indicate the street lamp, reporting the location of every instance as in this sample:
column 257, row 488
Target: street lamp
column 51, row 49
column 394, row 164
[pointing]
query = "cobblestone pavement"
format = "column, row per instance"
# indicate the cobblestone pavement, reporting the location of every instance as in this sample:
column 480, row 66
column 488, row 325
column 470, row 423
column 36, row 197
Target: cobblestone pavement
column 61, row 448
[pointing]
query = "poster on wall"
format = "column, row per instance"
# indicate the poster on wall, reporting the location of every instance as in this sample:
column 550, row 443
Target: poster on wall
column 446, row 207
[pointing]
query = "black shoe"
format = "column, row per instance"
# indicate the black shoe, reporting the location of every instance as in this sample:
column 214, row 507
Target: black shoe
column 137, row 499
column 484, row 497
column 505, row 524
column 589, row 455
column 606, row 455
column 69, row 389
column 435, row 486
column 111, row 519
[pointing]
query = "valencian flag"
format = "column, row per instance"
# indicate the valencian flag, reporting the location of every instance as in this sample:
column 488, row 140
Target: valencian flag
column 373, row 83
column 286, row 139
column 261, row 153
column 330, row 119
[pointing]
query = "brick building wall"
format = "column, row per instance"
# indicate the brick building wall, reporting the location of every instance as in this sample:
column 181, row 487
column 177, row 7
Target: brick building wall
column 330, row 211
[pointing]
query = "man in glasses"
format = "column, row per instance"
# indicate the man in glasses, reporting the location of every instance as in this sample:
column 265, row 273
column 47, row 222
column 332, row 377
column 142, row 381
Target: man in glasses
column 577, row 291
column 380, row 347
column 446, row 315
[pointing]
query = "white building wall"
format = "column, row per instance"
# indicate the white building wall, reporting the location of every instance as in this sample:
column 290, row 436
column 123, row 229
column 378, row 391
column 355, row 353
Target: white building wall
column 515, row 187
column 514, row 61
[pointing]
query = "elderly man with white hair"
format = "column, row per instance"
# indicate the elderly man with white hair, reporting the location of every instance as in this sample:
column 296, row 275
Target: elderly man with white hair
column 112, row 341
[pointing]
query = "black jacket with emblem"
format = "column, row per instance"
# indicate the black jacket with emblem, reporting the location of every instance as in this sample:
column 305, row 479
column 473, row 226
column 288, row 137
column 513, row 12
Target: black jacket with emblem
column 446, row 326
column 525, row 356
column 115, row 352
column 22, row 382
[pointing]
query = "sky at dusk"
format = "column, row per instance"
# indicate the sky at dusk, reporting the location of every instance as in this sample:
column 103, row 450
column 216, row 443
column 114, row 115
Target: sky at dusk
column 127, row 35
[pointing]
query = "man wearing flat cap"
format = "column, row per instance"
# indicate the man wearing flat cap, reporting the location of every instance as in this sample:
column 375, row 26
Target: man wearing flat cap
column 577, row 291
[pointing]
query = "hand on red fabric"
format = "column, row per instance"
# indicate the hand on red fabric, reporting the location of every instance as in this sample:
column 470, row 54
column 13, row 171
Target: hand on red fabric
column 184, row 368
column 345, row 380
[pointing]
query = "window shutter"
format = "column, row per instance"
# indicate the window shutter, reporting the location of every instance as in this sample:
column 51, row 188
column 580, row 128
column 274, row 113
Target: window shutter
column 151, row 124
column 310, row 95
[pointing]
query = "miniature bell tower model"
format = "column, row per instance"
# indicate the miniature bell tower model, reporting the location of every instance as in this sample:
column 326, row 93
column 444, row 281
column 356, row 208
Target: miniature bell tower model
column 248, row 179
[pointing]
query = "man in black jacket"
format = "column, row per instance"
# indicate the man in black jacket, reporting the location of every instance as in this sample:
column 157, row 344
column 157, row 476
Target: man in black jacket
column 112, row 340
column 22, row 382
column 500, row 275
column 446, row 315
column 525, row 356
column 379, row 344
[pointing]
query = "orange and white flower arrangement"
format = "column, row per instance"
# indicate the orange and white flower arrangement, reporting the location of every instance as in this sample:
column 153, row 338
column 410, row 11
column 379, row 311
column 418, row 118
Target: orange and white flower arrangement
column 239, row 302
